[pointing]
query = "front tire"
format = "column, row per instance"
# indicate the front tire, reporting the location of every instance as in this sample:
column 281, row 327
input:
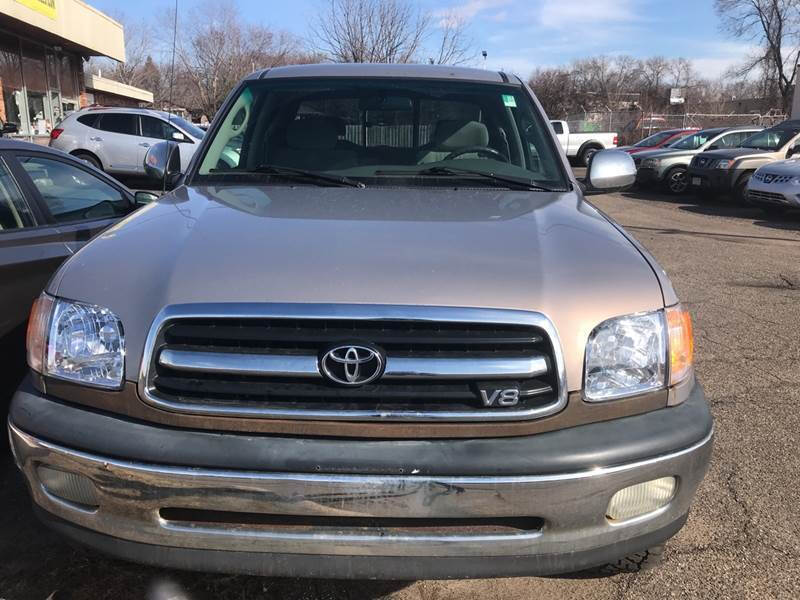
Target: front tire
column 634, row 563
column 587, row 154
column 740, row 191
column 89, row 159
column 677, row 181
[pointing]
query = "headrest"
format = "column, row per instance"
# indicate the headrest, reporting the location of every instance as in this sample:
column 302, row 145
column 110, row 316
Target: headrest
column 455, row 134
column 313, row 134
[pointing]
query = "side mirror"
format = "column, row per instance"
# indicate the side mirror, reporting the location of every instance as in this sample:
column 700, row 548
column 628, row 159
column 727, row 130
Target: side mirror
column 9, row 128
column 714, row 147
column 610, row 171
column 792, row 151
column 142, row 197
column 163, row 163
column 178, row 136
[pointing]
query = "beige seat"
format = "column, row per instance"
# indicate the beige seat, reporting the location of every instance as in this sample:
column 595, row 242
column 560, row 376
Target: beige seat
column 452, row 135
column 312, row 144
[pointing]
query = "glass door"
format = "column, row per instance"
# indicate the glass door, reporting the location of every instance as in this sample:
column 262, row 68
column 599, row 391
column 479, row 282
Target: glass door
column 40, row 117
column 55, row 93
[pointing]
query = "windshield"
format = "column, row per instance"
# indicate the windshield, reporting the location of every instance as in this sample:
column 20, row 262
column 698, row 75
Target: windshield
column 654, row 140
column 189, row 128
column 694, row 141
column 398, row 132
column 770, row 139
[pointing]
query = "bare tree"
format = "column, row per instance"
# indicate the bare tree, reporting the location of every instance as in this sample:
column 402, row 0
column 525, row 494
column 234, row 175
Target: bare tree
column 214, row 54
column 385, row 31
column 774, row 25
column 455, row 45
column 138, row 45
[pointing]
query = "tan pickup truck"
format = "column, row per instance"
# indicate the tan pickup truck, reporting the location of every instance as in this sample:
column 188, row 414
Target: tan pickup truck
column 392, row 340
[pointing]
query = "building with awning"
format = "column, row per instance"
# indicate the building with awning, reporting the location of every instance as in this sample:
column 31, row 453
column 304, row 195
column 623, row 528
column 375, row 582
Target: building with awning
column 43, row 44
column 108, row 92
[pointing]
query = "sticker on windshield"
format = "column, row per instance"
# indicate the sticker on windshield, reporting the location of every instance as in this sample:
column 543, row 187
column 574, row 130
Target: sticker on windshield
column 509, row 101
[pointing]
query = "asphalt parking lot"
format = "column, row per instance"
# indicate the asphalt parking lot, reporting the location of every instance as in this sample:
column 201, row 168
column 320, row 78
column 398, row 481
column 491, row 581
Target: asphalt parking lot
column 740, row 275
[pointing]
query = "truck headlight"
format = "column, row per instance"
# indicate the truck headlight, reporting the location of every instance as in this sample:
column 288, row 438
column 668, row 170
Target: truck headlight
column 723, row 164
column 626, row 356
column 76, row 341
column 638, row 353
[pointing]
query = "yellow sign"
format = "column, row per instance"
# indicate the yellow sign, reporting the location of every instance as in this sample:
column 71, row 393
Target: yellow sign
column 44, row 7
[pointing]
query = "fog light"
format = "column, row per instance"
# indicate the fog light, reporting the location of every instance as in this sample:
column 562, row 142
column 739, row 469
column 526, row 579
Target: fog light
column 641, row 499
column 68, row 486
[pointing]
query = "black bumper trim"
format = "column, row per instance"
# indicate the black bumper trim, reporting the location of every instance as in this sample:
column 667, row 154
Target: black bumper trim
column 607, row 443
column 357, row 567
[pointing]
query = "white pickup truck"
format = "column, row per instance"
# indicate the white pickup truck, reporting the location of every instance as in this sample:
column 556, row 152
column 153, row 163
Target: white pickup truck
column 583, row 145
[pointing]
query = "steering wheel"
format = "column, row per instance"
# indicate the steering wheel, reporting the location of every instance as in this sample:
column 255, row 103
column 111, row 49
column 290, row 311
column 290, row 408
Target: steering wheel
column 485, row 150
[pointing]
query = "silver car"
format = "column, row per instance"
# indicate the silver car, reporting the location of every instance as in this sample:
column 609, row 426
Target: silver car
column 116, row 139
column 668, row 166
column 775, row 187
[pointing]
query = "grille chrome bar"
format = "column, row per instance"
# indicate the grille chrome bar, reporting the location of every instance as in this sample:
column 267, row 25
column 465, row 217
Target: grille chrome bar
column 273, row 365
column 277, row 365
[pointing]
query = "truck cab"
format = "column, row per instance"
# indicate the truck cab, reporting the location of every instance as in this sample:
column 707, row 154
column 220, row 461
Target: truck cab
column 582, row 146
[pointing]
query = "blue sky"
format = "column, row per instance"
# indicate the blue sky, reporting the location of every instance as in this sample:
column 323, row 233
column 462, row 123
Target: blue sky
column 522, row 34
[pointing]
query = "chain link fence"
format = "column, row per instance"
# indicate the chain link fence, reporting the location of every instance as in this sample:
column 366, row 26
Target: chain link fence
column 633, row 126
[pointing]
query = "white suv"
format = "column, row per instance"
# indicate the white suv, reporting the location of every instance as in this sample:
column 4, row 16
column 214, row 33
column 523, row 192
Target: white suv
column 116, row 139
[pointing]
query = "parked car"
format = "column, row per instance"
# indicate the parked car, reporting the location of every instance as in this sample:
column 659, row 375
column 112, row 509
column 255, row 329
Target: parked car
column 51, row 205
column 728, row 170
column 775, row 187
column 583, row 145
column 659, row 140
column 667, row 167
column 425, row 359
column 115, row 140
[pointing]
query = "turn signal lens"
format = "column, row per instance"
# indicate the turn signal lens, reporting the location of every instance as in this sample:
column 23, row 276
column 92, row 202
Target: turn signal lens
column 681, row 343
column 38, row 324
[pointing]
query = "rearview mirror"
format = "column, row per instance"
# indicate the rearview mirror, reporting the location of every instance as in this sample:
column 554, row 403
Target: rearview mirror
column 163, row 163
column 610, row 171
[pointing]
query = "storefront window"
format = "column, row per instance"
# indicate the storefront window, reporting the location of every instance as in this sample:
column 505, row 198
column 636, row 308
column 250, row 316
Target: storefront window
column 69, row 84
column 11, row 100
column 40, row 120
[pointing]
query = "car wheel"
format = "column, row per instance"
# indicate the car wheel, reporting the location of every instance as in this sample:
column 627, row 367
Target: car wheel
column 89, row 159
column 633, row 563
column 677, row 181
column 740, row 192
column 587, row 155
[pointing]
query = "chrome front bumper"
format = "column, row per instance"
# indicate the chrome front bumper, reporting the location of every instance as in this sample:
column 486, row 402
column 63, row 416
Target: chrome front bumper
column 572, row 506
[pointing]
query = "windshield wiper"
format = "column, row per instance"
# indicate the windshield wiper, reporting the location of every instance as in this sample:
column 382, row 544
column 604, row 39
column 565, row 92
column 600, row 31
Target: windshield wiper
column 296, row 174
column 514, row 183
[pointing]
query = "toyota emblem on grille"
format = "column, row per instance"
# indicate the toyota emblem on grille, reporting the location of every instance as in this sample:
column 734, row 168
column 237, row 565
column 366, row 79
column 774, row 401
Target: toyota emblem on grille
column 352, row 365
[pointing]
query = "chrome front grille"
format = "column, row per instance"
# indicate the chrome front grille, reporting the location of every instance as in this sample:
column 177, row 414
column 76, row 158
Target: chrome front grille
column 439, row 363
column 760, row 196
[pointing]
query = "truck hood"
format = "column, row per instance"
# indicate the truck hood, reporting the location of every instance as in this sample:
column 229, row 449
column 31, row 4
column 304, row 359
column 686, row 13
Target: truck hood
column 734, row 153
column 548, row 252
column 782, row 167
column 664, row 153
